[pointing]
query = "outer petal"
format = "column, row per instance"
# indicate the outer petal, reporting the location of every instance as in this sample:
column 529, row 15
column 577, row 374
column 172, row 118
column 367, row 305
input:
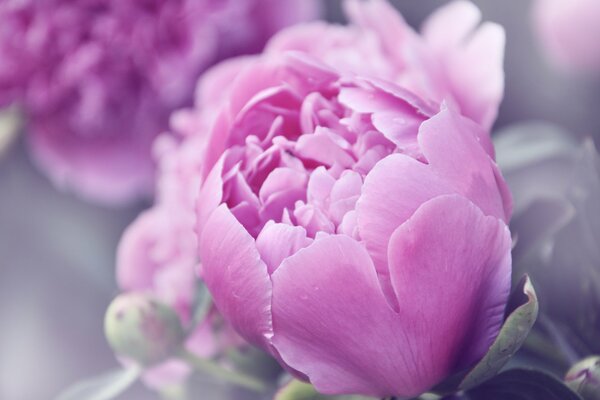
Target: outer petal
column 398, row 184
column 331, row 320
column 452, row 145
column 471, row 59
column 452, row 24
column 450, row 248
column 334, row 277
column 380, row 16
column 236, row 276
column 392, row 192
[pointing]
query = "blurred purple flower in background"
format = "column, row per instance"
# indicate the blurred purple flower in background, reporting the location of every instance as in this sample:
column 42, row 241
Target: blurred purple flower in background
column 98, row 79
column 568, row 31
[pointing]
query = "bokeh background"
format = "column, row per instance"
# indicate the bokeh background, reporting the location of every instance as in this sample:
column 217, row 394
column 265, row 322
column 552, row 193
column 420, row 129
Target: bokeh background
column 57, row 251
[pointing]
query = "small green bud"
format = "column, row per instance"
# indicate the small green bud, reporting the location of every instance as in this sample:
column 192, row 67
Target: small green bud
column 141, row 328
column 584, row 378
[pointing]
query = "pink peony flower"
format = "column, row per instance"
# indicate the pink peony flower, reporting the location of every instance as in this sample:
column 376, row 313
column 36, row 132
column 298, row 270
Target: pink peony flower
column 291, row 191
column 353, row 227
column 568, row 30
column 98, row 79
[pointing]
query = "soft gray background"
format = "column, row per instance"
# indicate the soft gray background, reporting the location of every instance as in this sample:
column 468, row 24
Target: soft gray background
column 57, row 252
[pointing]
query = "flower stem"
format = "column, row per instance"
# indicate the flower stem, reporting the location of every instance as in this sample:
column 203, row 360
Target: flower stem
column 211, row 368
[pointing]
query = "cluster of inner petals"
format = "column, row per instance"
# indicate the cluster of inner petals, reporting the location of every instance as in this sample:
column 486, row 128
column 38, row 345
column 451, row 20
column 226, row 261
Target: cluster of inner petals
column 301, row 159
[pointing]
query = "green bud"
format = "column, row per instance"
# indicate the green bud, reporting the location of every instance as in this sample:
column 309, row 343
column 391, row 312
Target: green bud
column 141, row 328
column 584, row 378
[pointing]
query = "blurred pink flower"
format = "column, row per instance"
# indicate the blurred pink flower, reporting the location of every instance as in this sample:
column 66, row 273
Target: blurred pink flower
column 568, row 30
column 158, row 251
column 98, row 79
column 353, row 227
column 157, row 256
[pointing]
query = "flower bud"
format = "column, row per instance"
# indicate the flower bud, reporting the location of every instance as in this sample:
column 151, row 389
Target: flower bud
column 141, row 328
column 584, row 378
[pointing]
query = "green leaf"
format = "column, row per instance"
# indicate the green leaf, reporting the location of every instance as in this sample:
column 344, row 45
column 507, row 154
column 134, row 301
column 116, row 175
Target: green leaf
column 297, row 390
column 523, row 384
column 104, row 387
column 522, row 311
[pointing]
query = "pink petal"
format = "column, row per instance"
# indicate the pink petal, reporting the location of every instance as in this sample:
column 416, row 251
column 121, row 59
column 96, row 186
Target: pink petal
column 450, row 267
column 319, row 187
column 236, row 276
column 349, row 185
column 281, row 179
column 507, row 199
column 398, row 184
column 396, row 112
column 399, row 128
column 471, row 58
column 260, row 112
column 366, row 100
column 425, row 107
column 392, row 192
column 451, row 25
column 331, row 320
column 448, row 247
column 321, row 148
column 349, row 226
column 313, row 219
column 276, row 242
column 478, row 75
column 381, row 17
column 451, row 145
